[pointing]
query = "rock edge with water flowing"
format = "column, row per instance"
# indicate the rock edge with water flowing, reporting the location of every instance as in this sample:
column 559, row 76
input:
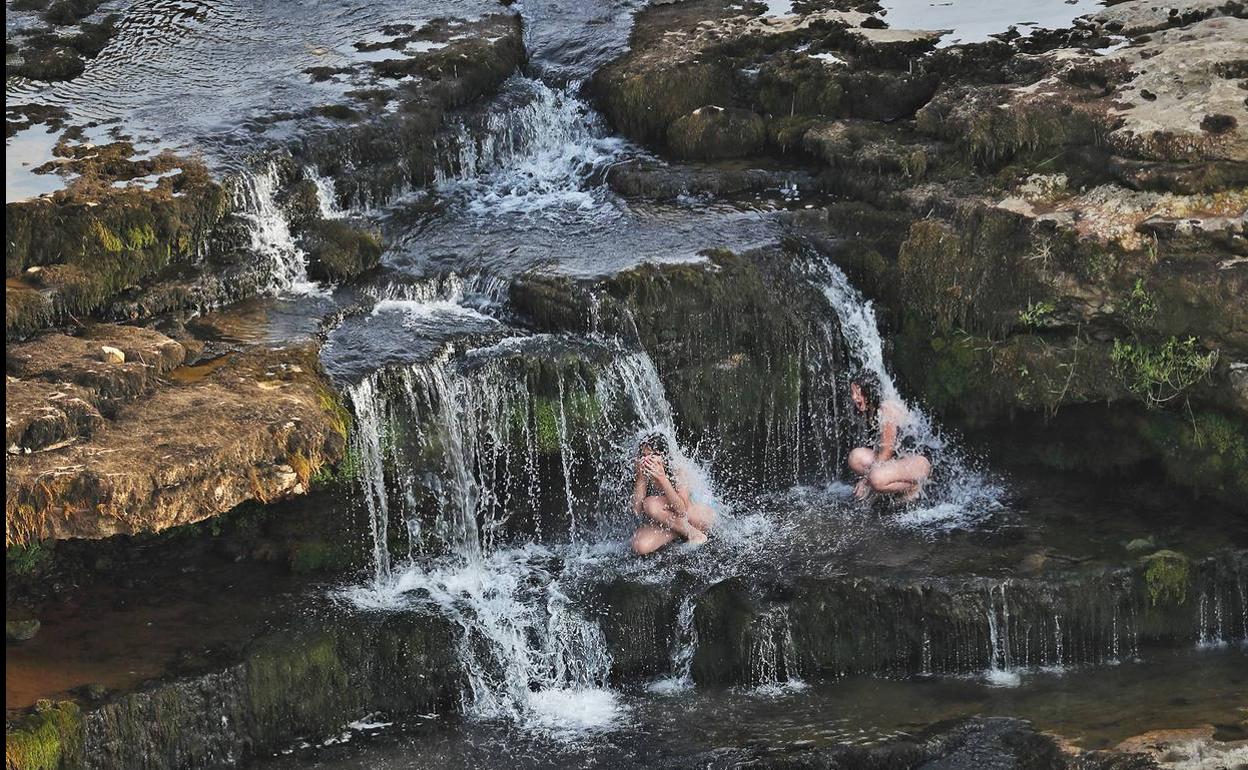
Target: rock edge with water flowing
column 1052, row 224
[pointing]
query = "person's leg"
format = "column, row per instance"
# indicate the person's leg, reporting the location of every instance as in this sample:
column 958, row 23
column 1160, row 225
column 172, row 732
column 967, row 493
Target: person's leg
column 702, row 516
column 648, row 539
column 860, row 462
column 902, row 476
column 657, row 509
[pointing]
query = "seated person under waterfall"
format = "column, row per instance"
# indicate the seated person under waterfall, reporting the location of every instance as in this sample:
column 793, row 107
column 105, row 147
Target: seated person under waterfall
column 662, row 490
column 892, row 464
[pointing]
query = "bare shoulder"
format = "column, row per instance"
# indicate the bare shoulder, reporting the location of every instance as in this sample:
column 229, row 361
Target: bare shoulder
column 894, row 411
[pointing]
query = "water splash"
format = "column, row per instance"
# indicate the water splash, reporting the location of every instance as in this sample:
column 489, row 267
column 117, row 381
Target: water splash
column 529, row 656
column 958, row 493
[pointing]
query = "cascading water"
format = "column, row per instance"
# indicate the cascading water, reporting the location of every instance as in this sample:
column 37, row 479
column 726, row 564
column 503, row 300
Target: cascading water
column 255, row 201
column 959, row 492
column 326, row 197
column 454, row 448
column 543, row 152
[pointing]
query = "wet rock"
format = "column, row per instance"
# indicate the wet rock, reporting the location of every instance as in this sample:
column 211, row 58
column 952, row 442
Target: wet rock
column 308, row 680
column 712, row 132
column 644, row 179
column 732, row 339
column 139, row 446
column 1179, row 748
column 85, row 245
column 20, row 630
column 338, row 251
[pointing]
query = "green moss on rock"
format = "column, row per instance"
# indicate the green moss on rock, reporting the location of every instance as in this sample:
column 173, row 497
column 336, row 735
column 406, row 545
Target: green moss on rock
column 339, row 251
column 1167, row 576
column 711, row 133
column 49, row 738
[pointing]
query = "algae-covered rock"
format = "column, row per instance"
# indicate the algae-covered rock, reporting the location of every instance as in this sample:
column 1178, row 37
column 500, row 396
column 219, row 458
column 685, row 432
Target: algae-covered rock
column 21, row 630
column 49, row 738
column 339, row 251
column 712, row 132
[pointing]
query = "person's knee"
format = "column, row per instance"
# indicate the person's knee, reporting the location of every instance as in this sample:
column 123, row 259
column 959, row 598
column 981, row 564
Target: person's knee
column 642, row 543
column 655, row 507
column 860, row 460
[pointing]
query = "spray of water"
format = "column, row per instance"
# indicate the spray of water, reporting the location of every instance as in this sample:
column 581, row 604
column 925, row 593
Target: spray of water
column 959, row 493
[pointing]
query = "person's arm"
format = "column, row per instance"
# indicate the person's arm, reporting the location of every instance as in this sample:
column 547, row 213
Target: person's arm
column 639, row 489
column 888, row 439
column 675, row 501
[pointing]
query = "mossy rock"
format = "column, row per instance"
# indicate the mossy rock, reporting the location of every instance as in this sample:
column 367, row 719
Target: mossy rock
column 1206, row 451
column 339, row 251
column 712, row 133
column 1167, row 577
column 48, row 738
column 643, row 104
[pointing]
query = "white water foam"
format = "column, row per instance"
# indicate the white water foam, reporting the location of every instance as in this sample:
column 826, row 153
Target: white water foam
column 541, row 156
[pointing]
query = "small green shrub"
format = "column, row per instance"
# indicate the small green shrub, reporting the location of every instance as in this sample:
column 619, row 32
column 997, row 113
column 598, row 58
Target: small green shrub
column 1167, row 577
column 1158, row 374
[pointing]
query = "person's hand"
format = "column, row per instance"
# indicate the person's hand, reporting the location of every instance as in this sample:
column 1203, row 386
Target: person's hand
column 653, row 467
column 641, row 466
column 861, row 490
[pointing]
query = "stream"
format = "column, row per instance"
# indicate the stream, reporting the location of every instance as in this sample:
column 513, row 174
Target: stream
column 492, row 460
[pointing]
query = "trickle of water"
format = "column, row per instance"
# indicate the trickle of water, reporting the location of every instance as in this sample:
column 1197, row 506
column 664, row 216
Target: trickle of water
column 255, row 201
column 1001, row 672
column 685, row 645
column 773, row 654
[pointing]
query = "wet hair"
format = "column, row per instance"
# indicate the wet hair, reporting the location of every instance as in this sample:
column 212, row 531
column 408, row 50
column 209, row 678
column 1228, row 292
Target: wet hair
column 656, row 441
column 869, row 383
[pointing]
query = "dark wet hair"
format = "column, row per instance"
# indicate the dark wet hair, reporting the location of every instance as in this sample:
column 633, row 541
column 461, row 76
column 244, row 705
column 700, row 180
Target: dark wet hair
column 656, row 441
column 869, row 383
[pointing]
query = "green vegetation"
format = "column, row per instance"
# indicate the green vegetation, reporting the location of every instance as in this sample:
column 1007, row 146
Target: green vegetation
column 47, row 739
column 1167, row 576
column 1158, row 374
column 26, row 560
column 1035, row 314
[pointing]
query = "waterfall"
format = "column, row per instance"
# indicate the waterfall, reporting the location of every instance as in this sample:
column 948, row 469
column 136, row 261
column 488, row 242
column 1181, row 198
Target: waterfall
column 545, row 151
column 684, row 646
column 255, row 201
column 453, row 450
column 960, row 491
column 467, row 445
